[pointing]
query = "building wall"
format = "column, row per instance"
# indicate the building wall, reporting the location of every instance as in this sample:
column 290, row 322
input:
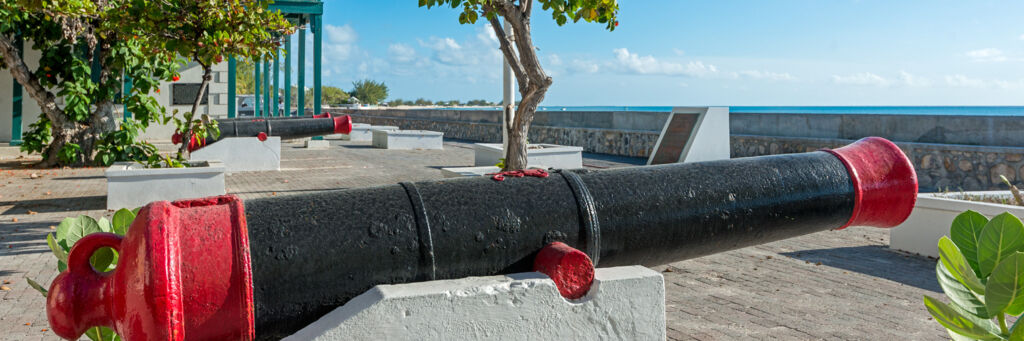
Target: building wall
column 192, row 73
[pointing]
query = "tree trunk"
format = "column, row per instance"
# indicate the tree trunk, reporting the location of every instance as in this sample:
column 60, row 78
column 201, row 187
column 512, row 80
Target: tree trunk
column 186, row 136
column 533, row 81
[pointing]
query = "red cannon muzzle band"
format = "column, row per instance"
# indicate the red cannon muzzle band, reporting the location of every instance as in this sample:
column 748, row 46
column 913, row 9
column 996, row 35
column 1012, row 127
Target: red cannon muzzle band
column 215, row 269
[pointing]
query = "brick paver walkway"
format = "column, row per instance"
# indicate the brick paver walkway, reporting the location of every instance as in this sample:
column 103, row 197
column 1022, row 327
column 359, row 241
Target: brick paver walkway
column 839, row 285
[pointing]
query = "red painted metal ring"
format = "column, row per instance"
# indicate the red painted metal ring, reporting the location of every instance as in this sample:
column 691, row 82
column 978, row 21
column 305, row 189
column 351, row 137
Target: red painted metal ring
column 884, row 182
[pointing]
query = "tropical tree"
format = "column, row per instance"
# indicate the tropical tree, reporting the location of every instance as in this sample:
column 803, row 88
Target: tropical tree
column 88, row 49
column 70, row 36
column 331, row 95
column 369, row 91
column 521, row 54
column 204, row 32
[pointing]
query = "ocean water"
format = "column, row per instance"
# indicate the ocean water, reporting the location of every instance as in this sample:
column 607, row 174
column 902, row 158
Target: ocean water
column 898, row 110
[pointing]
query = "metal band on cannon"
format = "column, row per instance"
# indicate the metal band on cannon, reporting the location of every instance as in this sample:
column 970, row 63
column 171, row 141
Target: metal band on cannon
column 210, row 269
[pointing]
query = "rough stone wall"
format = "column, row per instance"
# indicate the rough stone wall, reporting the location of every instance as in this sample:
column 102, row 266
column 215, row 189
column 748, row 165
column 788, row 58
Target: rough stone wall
column 939, row 167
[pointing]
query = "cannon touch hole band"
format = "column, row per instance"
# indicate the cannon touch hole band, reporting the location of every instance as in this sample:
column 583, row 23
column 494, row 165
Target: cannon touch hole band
column 590, row 228
column 427, row 263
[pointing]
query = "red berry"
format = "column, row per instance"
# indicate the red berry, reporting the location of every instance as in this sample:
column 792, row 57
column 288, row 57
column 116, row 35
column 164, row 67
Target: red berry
column 175, row 78
column 157, row 90
column 616, row 24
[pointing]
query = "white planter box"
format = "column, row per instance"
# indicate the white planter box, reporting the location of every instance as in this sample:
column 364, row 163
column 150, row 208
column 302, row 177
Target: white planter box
column 408, row 139
column 130, row 185
column 243, row 154
column 365, row 132
column 550, row 155
column 355, row 126
column 933, row 215
column 458, row 172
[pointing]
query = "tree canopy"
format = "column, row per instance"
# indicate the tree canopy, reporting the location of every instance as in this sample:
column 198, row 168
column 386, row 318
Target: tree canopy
column 369, row 91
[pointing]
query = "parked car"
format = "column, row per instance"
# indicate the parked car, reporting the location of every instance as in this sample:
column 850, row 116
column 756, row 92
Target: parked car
column 247, row 106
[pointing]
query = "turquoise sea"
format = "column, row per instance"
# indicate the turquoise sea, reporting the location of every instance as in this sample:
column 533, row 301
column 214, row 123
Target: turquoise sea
column 898, row 110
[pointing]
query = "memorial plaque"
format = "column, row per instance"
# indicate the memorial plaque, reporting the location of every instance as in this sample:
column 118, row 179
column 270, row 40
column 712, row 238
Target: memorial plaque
column 674, row 137
column 185, row 94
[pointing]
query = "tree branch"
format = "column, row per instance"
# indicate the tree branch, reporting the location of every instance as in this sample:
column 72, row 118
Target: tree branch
column 510, row 54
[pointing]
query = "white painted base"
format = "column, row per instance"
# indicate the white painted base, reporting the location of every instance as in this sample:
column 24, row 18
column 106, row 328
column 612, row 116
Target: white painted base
column 130, row 185
column 625, row 303
column 318, row 144
column 550, row 155
column 364, row 133
column 408, row 139
column 933, row 215
column 243, row 154
column 360, row 126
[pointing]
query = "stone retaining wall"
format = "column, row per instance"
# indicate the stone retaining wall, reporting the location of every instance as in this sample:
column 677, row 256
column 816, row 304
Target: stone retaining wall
column 940, row 167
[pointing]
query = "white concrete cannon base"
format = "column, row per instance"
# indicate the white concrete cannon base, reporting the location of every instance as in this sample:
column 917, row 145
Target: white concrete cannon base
column 355, row 126
column 364, row 132
column 625, row 303
column 408, row 139
column 243, row 154
column 130, row 184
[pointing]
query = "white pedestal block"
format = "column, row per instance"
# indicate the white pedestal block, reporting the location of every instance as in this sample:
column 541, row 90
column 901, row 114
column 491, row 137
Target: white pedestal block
column 624, row 303
column 408, row 139
column 933, row 214
column 360, row 126
column 243, row 154
column 318, row 144
column 364, row 133
column 550, row 155
column 130, row 185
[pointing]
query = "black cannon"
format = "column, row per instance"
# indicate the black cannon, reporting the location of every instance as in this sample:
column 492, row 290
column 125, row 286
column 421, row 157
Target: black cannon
column 261, row 128
column 214, row 268
column 250, row 118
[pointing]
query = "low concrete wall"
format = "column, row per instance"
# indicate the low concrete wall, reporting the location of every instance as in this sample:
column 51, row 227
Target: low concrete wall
column 949, row 152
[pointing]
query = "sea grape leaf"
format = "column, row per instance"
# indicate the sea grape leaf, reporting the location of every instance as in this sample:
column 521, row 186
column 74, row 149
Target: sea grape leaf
column 965, row 232
column 952, row 320
column 956, row 264
column 122, row 220
column 1004, row 290
column 959, row 294
column 1001, row 237
column 81, row 227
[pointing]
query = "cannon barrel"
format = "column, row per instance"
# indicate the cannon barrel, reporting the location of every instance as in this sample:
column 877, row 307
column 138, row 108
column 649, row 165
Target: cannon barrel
column 250, row 118
column 262, row 127
column 213, row 269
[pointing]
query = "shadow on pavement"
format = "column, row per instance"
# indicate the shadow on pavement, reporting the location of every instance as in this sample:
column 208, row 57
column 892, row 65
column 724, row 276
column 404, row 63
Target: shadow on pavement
column 96, row 202
column 878, row 261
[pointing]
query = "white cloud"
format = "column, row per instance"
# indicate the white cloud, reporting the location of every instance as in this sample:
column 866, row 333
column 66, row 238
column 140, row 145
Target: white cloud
column 987, row 55
column 340, row 34
column 1021, row 37
column 583, row 66
column 776, row 76
column 911, row 80
column 964, row 81
column 401, row 53
column 554, row 60
column 486, row 36
column 863, row 78
column 648, row 65
column 678, row 52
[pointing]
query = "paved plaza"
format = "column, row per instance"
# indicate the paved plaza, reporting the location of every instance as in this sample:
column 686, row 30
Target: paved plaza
column 835, row 285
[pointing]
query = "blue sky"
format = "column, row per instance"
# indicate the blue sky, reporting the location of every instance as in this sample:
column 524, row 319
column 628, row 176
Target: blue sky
column 674, row 52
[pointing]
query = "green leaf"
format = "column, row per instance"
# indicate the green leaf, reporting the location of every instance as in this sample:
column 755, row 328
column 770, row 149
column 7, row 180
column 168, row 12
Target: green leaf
column 1001, row 237
column 952, row 320
column 36, row 286
column 965, row 232
column 102, row 259
column 58, row 251
column 104, row 224
column 954, row 261
column 959, row 294
column 81, row 227
column 122, row 220
column 1005, row 288
column 62, row 232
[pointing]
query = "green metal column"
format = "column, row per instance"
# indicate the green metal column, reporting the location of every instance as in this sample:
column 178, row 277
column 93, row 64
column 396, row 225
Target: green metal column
column 124, row 95
column 256, row 88
column 266, row 89
column 317, row 38
column 288, row 75
column 277, row 84
column 16, row 103
column 232, row 71
column 302, row 72
column 97, row 64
